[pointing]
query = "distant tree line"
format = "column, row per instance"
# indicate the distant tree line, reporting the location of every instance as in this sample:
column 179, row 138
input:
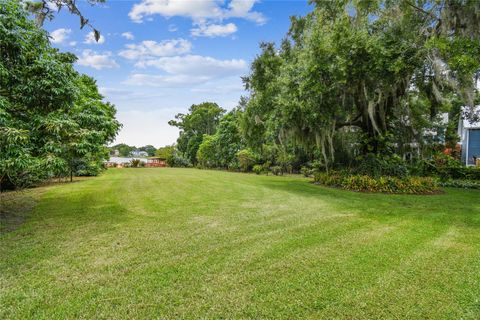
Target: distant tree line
column 53, row 120
column 168, row 153
column 125, row 150
column 351, row 81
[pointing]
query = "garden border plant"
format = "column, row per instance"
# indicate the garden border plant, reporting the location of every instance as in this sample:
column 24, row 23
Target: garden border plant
column 382, row 184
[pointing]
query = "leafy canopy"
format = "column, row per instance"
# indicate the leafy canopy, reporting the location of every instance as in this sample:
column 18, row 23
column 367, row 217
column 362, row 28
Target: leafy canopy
column 52, row 120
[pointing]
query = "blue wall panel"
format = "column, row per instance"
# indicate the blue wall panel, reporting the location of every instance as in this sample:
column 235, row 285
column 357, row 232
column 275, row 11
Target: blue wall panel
column 473, row 145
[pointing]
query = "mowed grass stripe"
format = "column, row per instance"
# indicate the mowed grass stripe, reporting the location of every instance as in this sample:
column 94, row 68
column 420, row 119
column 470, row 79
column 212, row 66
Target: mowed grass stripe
column 439, row 277
column 186, row 243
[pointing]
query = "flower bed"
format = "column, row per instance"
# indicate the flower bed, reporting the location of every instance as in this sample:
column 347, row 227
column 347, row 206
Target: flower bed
column 384, row 184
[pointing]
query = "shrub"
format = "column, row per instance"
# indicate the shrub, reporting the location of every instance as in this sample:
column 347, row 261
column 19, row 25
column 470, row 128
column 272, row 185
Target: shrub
column 383, row 184
column 233, row 166
column 446, row 168
column 258, row 169
column 135, row 163
column 266, row 167
column 89, row 169
column 306, row 171
column 246, row 159
column 277, row 170
column 377, row 166
column 285, row 160
column 463, row 172
column 177, row 160
column 464, row 184
column 332, row 179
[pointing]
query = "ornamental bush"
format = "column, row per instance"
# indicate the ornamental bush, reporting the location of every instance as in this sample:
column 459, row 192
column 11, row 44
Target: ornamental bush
column 306, row 171
column 178, row 160
column 378, row 165
column 382, row 184
column 446, row 168
column 467, row 173
column 246, row 158
column 277, row 170
column 332, row 179
column 258, row 169
column 463, row 184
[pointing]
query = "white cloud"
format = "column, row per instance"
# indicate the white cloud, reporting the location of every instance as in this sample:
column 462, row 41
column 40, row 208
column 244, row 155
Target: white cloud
column 128, row 35
column 172, row 28
column 151, row 49
column 90, row 39
column 221, row 87
column 193, row 73
column 107, row 91
column 73, row 43
column 52, row 6
column 214, row 30
column 243, row 9
column 96, row 60
column 60, row 35
column 195, row 65
column 198, row 10
column 170, row 81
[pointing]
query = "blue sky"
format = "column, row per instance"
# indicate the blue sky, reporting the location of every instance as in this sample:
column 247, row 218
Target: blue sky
column 157, row 57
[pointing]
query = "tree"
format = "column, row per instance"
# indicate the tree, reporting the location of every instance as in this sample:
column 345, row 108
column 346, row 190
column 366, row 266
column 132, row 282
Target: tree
column 45, row 9
column 148, row 149
column 92, row 125
column 246, row 159
column 35, row 81
column 364, row 67
column 51, row 118
column 220, row 149
column 229, row 139
column 165, row 152
column 256, row 123
column 207, row 154
column 201, row 119
column 124, row 150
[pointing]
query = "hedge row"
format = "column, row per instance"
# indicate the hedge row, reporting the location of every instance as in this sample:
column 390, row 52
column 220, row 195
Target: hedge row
column 464, row 184
column 446, row 168
column 459, row 173
column 385, row 184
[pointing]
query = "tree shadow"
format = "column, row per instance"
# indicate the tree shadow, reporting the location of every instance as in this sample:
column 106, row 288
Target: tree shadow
column 458, row 206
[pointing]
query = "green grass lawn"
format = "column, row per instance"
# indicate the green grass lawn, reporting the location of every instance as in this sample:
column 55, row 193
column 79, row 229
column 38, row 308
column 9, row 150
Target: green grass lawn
column 187, row 243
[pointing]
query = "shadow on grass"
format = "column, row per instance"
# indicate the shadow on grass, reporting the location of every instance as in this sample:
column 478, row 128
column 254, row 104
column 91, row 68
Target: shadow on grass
column 15, row 208
column 56, row 206
column 60, row 222
column 456, row 206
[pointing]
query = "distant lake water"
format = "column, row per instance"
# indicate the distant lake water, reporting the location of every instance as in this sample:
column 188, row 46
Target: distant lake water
column 124, row 159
